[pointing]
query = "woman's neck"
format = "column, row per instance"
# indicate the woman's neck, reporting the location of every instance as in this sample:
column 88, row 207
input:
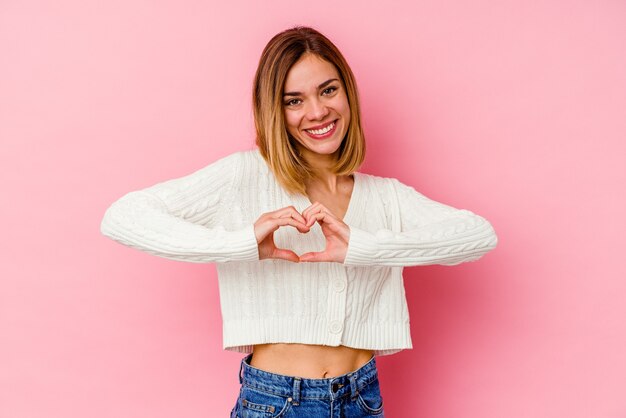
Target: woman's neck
column 322, row 175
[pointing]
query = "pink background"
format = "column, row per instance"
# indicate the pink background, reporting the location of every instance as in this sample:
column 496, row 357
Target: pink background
column 515, row 110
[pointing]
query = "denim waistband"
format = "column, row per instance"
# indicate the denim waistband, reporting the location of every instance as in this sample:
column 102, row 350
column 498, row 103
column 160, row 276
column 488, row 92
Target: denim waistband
column 331, row 388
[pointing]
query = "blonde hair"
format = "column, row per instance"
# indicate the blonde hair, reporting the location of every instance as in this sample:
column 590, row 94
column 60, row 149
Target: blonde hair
column 275, row 144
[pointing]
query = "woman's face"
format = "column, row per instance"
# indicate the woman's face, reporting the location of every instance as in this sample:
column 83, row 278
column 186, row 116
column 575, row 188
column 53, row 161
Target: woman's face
column 315, row 103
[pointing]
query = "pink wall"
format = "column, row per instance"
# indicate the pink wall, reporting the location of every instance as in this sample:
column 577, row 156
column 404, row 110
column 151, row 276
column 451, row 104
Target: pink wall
column 515, row 110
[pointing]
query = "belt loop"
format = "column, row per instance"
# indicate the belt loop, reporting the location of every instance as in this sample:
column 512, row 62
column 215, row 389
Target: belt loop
column 296, row 390
column 353, row 389
column 241, row 369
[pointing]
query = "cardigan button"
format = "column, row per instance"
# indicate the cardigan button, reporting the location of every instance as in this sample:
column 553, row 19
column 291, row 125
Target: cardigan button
column 339, row 285
column 336, row 327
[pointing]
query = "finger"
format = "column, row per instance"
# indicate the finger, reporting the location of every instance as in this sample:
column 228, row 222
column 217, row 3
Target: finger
column 316, row 207
column 288, row 255
column 327, row 211
column 314, row 217
column 308, row 212
column 292, row 212
column 310, row 209
column 278, row 222
column 314, row 257
column 320, row 217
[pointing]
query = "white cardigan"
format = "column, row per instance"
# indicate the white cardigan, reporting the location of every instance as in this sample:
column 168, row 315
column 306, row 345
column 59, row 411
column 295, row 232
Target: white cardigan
column 208, row 216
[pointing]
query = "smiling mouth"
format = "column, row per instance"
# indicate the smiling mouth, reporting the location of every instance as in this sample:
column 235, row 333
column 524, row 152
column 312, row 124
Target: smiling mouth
column 323, row 132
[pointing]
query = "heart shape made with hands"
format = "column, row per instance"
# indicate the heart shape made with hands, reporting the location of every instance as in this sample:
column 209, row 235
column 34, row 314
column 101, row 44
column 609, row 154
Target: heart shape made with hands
column 336, row 232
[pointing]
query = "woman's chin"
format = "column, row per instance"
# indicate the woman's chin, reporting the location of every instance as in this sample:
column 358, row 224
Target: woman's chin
column 329, row 148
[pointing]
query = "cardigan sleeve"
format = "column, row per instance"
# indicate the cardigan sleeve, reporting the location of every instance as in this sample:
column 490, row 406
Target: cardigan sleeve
column 177, row 219
column 431, row 233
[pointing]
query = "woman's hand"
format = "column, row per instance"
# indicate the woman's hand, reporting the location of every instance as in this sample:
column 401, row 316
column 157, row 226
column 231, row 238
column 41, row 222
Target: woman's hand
column 337, row 234
column 269, row 222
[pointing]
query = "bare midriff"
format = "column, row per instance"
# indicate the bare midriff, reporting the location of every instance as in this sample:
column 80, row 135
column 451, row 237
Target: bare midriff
column 308, row 361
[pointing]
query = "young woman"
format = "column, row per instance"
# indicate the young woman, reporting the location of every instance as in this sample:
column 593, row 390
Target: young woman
column 309, row 251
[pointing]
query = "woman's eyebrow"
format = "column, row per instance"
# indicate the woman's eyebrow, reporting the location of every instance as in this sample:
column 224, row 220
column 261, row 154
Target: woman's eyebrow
column 297, row 93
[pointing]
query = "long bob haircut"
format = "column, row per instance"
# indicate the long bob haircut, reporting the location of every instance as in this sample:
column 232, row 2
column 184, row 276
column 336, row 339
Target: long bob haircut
column 275, row 144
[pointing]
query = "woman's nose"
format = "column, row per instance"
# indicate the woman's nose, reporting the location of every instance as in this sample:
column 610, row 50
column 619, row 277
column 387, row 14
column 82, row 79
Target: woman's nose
column 317, row 110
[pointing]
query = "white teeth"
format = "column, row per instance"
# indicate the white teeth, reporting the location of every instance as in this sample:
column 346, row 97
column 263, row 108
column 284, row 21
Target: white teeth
column 321, row 131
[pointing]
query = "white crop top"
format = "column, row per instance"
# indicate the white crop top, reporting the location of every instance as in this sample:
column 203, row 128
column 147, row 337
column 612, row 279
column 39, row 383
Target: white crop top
column 208, row 216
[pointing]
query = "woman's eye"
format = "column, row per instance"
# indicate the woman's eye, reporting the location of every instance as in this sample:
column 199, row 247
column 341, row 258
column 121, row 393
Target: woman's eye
column 293, row 102
column 329, row 90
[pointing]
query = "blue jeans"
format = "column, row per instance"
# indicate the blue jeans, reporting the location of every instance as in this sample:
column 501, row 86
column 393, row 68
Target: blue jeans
column 270, row 395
